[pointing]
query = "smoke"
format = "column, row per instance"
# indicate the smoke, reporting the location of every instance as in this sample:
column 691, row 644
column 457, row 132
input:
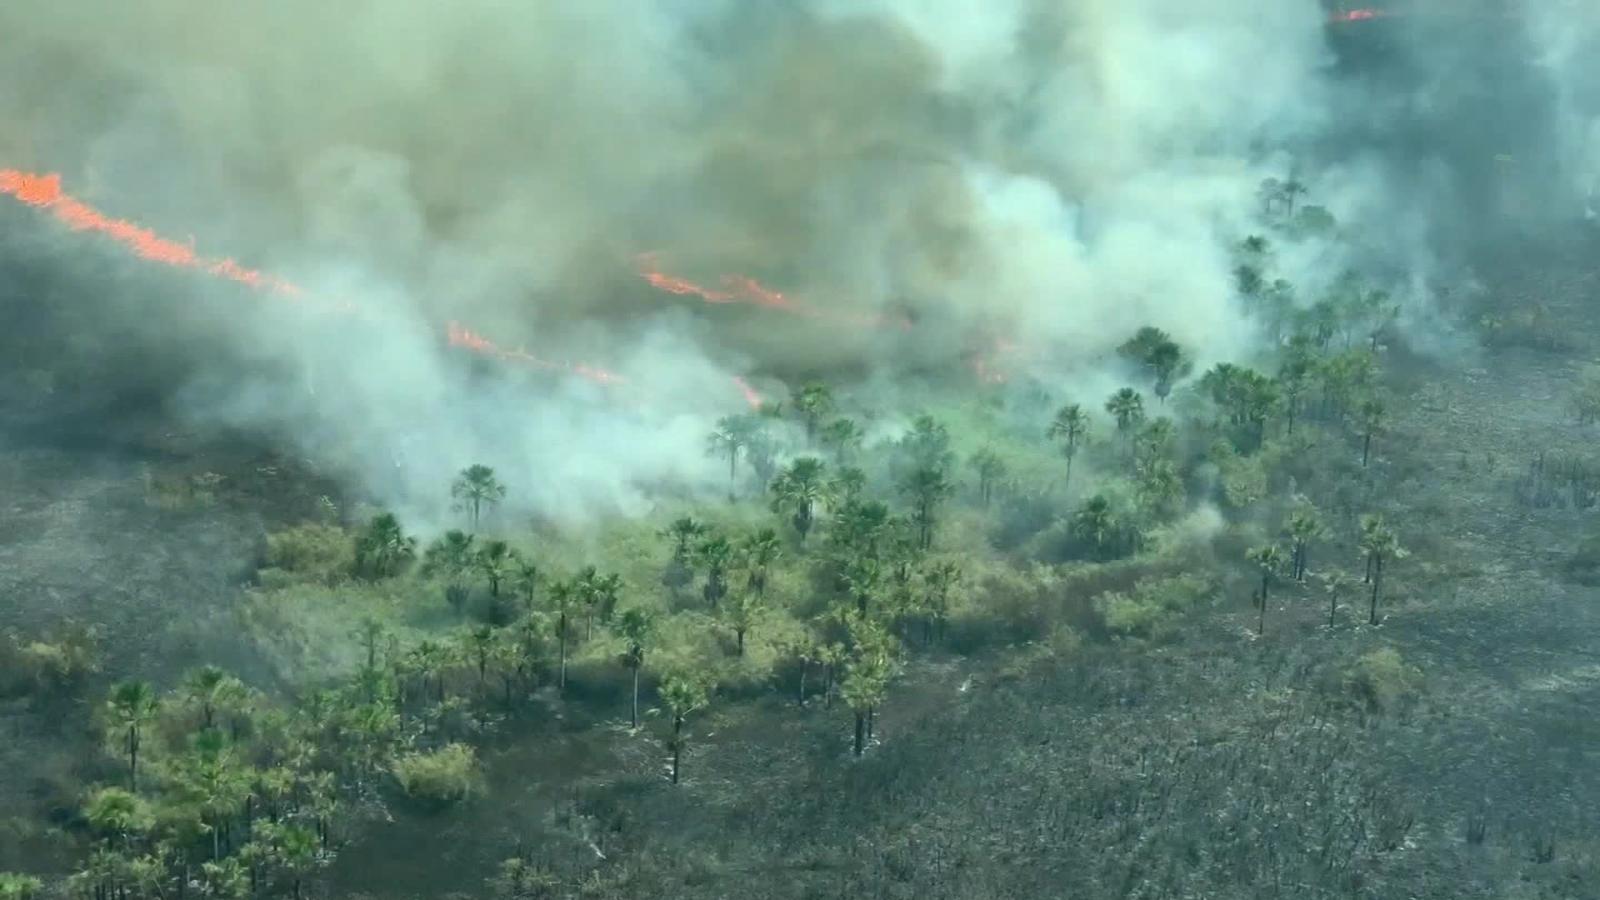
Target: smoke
column 1048, row 174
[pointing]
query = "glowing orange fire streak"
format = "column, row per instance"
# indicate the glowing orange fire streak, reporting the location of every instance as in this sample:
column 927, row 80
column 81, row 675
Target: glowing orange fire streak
column 44, row 192
column 744, row 289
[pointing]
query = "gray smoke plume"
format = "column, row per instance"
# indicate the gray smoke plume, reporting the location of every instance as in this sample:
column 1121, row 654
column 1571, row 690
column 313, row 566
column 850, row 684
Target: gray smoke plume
column 1052, row 174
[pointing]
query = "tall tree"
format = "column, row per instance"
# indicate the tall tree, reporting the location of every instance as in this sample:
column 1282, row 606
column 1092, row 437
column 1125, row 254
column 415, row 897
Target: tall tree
column 757, row 553
column 496, row 563
column 1269, row 562
column 939, row 580
column 1096, row 522
column 684, row 532
column 743, row 610
column 732, row 436
column 561, row 596
column 715, row 554
column 927, row 445
column 452, row 558
column 847, row 485
column 525, row 579
column 926, row 488
column 1304, row 526
column 799, row 490
column 636, row 626
column 1127, row 407
column 1071, row 428
column 683, row 694
column 868, row 669
column 209, row 689
column 845, row 437
column 1380, row 544
column 1371, row 423
column 475, row 488
column 991, row 470
column 813, row 401
column 1162, row 360
column 383, row 548
column 1337, row 584
column 131, row 707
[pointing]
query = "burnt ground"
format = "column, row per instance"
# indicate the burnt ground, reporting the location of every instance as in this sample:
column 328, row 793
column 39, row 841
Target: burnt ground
column 1214, row 764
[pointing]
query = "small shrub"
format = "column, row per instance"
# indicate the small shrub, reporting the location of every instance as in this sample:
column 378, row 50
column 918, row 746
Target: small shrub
column 1151, row 608
column 439, row 778
column 1381, row 680
column 19, row 887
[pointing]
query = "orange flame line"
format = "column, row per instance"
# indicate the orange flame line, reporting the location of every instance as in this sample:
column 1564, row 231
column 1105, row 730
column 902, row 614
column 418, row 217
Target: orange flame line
column 744, row 289
column 44, row 192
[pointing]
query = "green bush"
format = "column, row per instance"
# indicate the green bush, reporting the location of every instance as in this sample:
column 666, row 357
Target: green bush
column 19, row 887
column 1382, row 681
column 1150, row 610
column 439, row 778
column 313, row 551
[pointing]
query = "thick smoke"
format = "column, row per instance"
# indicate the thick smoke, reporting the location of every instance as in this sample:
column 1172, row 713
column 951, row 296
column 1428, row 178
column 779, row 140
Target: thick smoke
column 1048, row 173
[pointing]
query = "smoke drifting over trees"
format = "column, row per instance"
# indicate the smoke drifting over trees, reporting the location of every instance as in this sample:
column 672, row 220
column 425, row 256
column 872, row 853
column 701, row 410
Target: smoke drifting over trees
column 1050, row 176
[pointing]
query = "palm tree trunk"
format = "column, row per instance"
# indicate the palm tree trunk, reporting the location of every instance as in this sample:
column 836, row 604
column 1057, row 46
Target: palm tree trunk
column 739, row 633
column 1366, row 449
column 1333, row 606
column 561, row 680
column 1377, row 579
column 861, row 733
column 872, row 719
column 801, row 696
column 677, row 746
column 634, row 717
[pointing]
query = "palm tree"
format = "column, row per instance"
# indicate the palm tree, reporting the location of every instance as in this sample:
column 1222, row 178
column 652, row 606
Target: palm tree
column 1127, row 407
column 131, row 707
column 926, row 487
column 1159, row 355
column 716, row 555
column 847, row 485
column 1154, row 441
column 743, row 610
column 117, row 814
column 798, row 490
column 867, row 672
column 683, row 694
column 636, row 626
column 475, row 488
column 210, row 688
column 478, row 644
column 1337, row 583
column 813, row 401
column 1304, row 527
column 451, row 557
column 1070, row 427
column 495, row 563
column 991, row 470
column 758, row 552
column 731, row 437
column 1371, row 423
column 1379, row 543
column 383, row 549
column 845, row 437
column 683, row 532
column 561, row 594
column 429, row 659
column 1269, row 559
column 525, row 578
column 598, row 593
column 939, row 580
column 1096, row 523
column 927, row 445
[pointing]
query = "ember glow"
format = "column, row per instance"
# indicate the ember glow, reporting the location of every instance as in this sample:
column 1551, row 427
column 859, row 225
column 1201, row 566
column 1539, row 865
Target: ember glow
column 1358, row 15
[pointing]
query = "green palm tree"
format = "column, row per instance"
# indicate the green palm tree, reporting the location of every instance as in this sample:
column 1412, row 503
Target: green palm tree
column 131, row 707
column 525, row 578
column 452, row 558
column 845, row 437
column 758, row 552
column 1305, row 526
column 1071, row 428
column 1269, row 560
column 597, row 593
column 495, row 562
column 799, row 490
column 741, row 615
column 561, row 596
column 117, row 814
column 478, row 644
column 715, row 555
column 636, row 626
column 813, row 401
column 19, row 887
column 732, row 436
column 1380, row 544
column 683, row 532
column 1372, row 412
column 926, row 488
column 1337, row 584
column 212, row 689
column 847, row 485
column 1127, row 407
column 1096, row 523
column 383, row 549
column 683, row 694
column 868, row 668
column 991, row 470
column 475, row 488
column 939, row 581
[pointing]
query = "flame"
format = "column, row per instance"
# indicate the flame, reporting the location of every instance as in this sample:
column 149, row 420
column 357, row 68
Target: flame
column 751, row 395
column 44, row 192
column 744, row 289
column 1357, row 15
